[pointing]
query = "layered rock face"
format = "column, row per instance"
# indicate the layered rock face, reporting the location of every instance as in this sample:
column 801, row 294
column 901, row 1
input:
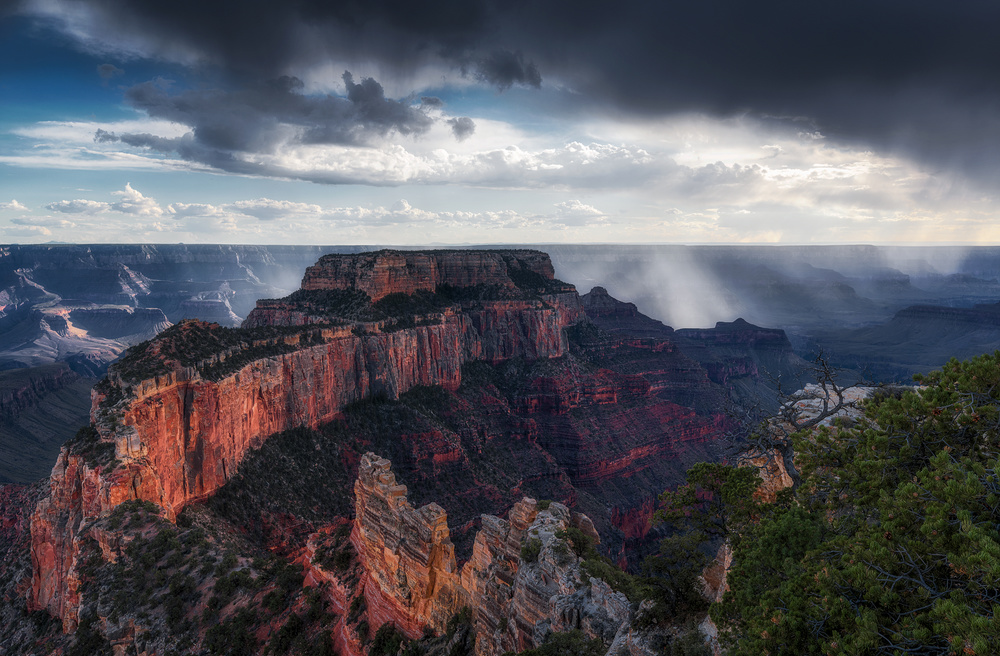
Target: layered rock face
column 40, row 408
column 409, row 558
column 180, row 426
column 413, row 581
column 739, row 349
column 489, row 285
column 16, row 505
column 519, row 603
column 389, row 272
column 193, row 432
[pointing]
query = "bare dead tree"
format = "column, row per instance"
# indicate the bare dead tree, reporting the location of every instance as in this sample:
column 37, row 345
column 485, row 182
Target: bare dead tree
column 762, row 433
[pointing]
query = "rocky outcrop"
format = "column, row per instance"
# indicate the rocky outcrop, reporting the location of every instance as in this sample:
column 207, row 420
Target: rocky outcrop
column 740, row 350
column 78, row 492
column 617, row 316
column 388, row 272
column 183, row 436
column 412, row 579
column 339, row 584
column 520, row 602
column 714, row 587
column 485, row 284
column 180, row 420
column 737, row 332
column 412, row 575
column 193, row 431
column 774, row 476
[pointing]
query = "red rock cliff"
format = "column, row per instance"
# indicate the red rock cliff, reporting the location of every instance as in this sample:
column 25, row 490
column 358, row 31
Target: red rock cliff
column 178, row 436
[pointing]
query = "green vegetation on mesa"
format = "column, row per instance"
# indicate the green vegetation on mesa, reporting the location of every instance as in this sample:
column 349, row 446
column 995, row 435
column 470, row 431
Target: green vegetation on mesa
column 187, row 589
column 890, row 545
column 191, row 343
column 355, row 305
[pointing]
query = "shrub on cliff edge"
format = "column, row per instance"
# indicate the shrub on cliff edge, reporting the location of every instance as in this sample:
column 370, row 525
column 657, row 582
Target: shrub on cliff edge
column 570, row 643
column 530, row 550
column 890, row 544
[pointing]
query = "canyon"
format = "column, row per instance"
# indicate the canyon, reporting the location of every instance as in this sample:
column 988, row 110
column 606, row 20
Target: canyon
column 83, row 305
column 493, row 388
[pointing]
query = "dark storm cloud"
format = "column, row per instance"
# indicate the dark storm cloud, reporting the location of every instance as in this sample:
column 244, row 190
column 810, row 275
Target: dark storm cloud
column 503, row 69
column 225, row 125
column 920, row 76
column 12, row 7
column 258, row 118
column 462, row 127
column 431, row 101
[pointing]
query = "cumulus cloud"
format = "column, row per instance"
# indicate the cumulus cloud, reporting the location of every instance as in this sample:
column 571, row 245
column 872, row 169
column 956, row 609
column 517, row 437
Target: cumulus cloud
column 266, row 209
column 282, row 152
column 133, row 202
column 13, row 206
column 576, row 213
column 698, row 180
column 78, row 206
column 186, row 210
column 30, row 232
column 47, row 222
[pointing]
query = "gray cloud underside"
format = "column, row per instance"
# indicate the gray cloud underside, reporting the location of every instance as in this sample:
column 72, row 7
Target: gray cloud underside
column 251, row 119
column 919, row 76
column 265, row 117
column 462, row 127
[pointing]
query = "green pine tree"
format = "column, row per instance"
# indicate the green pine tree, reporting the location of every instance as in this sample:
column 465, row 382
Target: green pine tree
column 890, row 544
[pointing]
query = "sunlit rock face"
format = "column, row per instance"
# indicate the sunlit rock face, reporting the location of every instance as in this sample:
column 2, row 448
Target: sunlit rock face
column 409, row 558
column 79, row 492
column 413, row 582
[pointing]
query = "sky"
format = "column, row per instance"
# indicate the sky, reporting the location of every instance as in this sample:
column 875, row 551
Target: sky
column 499, row 121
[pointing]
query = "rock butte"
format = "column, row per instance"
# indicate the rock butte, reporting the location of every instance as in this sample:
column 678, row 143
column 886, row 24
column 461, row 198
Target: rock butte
column 178, row 436
column 388, row 272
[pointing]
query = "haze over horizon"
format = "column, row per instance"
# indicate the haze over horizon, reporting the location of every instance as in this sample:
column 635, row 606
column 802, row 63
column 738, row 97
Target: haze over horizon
column 480, row 122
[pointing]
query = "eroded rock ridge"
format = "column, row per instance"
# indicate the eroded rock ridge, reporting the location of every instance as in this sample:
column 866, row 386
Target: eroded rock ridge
column 412, row 579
